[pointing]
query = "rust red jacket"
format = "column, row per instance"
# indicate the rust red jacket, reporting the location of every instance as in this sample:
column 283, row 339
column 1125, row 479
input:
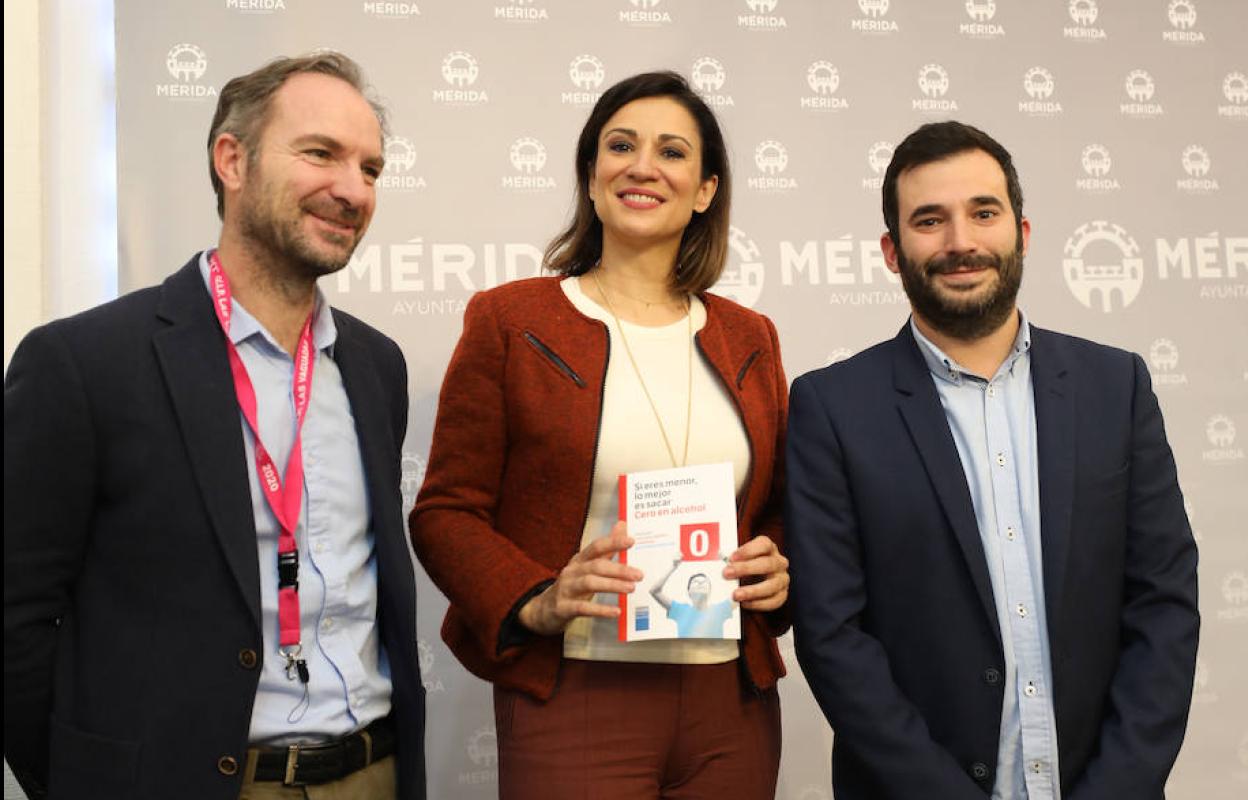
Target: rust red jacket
column 507, row 489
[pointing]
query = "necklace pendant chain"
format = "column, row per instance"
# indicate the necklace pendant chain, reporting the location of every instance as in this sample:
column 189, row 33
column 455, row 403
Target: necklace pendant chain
column 654, row 409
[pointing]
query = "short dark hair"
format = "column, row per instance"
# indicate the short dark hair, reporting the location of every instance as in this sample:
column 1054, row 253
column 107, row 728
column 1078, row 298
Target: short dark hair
column 936, row 141
column 704, row 245
column 245, row 102
column 689, row 583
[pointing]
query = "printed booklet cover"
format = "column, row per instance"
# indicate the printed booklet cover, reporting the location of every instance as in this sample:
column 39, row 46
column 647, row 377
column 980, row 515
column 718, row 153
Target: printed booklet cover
column 684, row 525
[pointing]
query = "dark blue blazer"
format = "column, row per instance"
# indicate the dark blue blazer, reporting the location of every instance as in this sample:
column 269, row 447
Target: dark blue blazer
column 131, row 583
column 895, row 625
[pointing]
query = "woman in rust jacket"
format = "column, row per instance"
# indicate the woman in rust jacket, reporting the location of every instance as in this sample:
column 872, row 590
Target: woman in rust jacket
column 622, row 362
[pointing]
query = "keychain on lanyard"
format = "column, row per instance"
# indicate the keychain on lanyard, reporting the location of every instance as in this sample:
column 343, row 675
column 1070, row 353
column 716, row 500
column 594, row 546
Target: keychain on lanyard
column 284, row 495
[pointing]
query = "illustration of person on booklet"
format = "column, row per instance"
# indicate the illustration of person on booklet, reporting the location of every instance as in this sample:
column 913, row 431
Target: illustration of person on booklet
column 697, row 619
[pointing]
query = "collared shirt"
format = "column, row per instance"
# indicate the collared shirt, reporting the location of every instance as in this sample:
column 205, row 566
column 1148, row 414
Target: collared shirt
column 994, row 427
column 350, row 677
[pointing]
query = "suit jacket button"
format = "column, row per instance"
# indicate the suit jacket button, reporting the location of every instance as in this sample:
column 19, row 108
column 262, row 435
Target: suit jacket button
column 226, row 765
column 992, row 676
column 979, row 771
column 247, row 658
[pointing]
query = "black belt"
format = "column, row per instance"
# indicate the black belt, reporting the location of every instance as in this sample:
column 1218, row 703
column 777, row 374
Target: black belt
column 310, row 764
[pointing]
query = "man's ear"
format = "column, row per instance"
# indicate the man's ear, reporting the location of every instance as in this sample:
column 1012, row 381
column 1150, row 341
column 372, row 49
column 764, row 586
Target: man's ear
column 889, row 249
column 229, row 159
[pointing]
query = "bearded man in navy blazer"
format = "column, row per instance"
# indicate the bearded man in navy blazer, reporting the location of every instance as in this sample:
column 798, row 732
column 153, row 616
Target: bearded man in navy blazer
column 994, row 581
column 161, row 639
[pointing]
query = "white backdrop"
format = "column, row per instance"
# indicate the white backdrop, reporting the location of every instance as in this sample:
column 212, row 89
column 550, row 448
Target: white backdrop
column 1128, row 120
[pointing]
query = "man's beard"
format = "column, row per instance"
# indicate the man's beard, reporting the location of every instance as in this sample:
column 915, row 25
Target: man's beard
column 966, row 318
column 280, row 235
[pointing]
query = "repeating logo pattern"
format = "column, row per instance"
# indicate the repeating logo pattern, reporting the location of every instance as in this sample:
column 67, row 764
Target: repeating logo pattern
column 1182, row 17
column 644, row 13
column 1140, row 89
column 528, row 159
column 1039, row 85
column 708, row 77
column 878, row 156
column 823, row 79
column 1197, row 165
column 933, row 82
column 521, row 11
column 981, row 13
column 1220, row 431
column 1084, row 13
column 399, row 173
column 587, row 74
column 460, row 71
column 256, row 6
column 1235, row 89
column 391, row 10
column 187, row 64
column 1099, row 282
column 874, row 19
column 1097, row 163
column 761, row 16
column 742, row 279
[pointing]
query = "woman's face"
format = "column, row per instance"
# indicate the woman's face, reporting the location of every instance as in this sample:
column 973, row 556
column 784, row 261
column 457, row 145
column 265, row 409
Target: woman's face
column 647, row 180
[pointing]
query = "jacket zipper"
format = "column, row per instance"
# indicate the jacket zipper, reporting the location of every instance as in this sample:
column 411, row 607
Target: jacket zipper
column 749, row 477
column 554, row 358
column 593, row 464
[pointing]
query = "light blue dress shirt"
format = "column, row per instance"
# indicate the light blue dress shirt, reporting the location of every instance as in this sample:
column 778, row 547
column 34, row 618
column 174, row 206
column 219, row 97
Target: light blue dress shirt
column 350, row 677
column 994, row 427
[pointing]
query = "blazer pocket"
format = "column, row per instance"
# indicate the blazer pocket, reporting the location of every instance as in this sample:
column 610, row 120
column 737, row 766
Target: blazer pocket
column 85, row 764
column 553, row 357
column 1098, row 486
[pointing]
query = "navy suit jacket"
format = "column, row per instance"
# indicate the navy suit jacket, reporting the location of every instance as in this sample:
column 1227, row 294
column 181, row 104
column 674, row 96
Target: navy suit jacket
column 894, row 620
column 131, row 582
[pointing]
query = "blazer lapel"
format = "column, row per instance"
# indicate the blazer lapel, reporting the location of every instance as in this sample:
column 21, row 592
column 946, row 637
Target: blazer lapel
column 193, row 358
column 1055, row 445
column 920, row 408
column 372, row 424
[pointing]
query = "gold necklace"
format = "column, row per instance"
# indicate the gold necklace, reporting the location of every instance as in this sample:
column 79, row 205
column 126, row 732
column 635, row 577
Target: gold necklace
column 684, row 458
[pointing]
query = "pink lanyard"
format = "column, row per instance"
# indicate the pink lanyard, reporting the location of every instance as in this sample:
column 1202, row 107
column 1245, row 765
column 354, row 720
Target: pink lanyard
column 285, row 496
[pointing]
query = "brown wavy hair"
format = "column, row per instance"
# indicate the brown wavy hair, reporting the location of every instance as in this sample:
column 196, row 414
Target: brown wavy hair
column 704, row 244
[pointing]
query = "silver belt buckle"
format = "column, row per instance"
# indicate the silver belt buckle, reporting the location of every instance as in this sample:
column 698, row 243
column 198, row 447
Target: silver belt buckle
column 292, row 763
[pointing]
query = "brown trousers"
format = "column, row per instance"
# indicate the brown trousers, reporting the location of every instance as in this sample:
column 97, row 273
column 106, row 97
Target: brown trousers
column 640, row 731
column 374, row 782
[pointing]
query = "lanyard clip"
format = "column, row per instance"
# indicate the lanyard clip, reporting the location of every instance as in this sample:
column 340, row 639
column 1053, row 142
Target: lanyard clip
column 288, row 570
column 295, row 666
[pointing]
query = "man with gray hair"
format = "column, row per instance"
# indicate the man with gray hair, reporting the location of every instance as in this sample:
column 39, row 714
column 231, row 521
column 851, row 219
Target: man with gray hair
column 208, row 587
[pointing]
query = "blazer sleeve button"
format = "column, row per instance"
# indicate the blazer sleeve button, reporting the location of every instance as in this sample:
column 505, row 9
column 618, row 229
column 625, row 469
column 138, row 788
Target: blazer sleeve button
column 227, row 765
column 992, row 676
column 979, row 771
column 247, row 658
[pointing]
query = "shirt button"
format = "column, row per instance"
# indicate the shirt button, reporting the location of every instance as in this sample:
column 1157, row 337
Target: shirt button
column 1030, row 690
column 1036, row 766
column 247, row 658
column 979, row 771
column 1000, row 459
column 992, row 391
column 1010, row 533
column 1022, row 610
column 227, row 765
column 992, row 676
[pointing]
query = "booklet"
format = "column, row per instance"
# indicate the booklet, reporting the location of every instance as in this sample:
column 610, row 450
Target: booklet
column 684, row 525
